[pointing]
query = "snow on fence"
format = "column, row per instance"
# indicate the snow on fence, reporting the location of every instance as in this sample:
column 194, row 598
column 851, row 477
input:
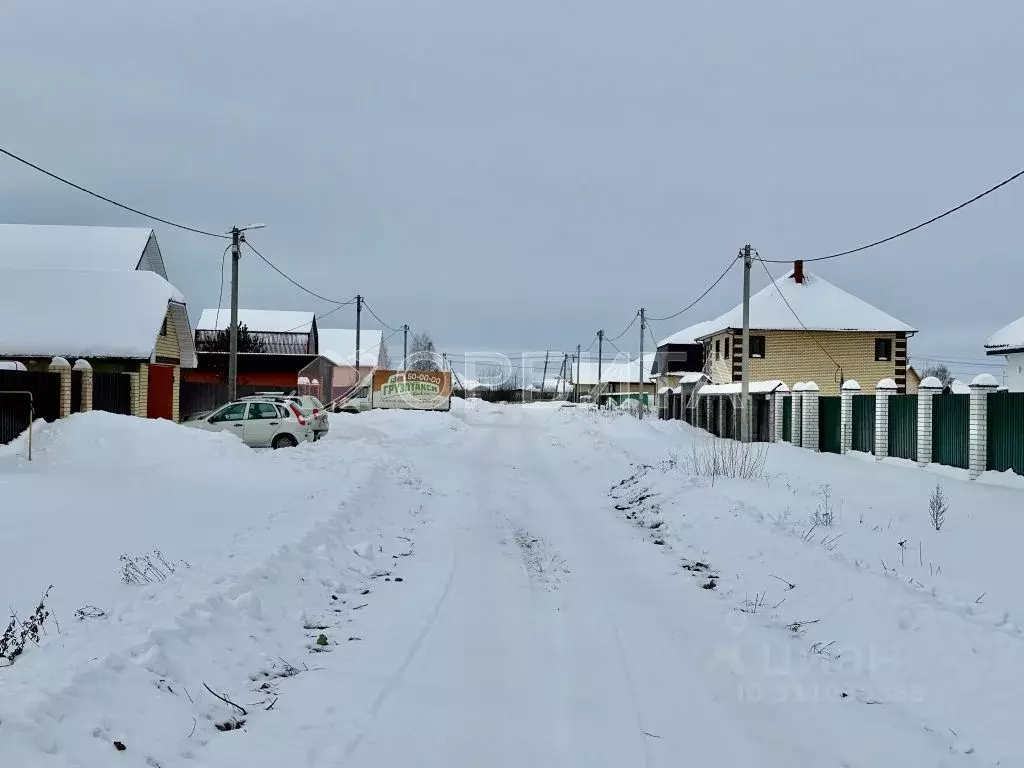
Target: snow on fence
column 978, row 432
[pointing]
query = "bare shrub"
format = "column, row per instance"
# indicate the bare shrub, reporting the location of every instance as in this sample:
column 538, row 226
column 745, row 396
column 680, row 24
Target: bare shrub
column 825, row 513
column 148, row 568
column 20, row 633
column 937, row 507
column 727, row 458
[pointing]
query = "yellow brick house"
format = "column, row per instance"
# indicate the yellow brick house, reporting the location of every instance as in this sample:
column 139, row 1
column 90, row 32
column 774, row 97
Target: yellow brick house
column 804, row 328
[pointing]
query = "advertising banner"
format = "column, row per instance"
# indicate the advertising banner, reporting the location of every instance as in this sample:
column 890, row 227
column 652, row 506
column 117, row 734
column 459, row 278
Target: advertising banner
column 414, row 390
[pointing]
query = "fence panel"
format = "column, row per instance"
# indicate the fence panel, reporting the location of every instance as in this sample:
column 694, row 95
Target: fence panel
column 903, row 426
column 829, row 424
column 14, row 408
column 951, row 418
column 76, row 391
column 863, row 437
column 787, row 419
column 112, row 392
column 1006, row 431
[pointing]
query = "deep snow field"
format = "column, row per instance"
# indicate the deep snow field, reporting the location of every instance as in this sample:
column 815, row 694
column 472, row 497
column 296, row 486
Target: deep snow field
column 501, row 586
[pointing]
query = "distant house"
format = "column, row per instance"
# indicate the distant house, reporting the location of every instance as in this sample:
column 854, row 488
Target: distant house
column 287, row 344
column 679, row 354
column 1008, row 342
column 622, row 379
column 278, row 332
column 348, row 369
column 120, row 322
column 838, row 337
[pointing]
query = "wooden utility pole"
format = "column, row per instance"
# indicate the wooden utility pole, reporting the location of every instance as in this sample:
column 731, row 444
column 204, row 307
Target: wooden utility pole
column 576, row 384
column 643, row 327
column 359, row 315
column 600, row 352
column 236, row 255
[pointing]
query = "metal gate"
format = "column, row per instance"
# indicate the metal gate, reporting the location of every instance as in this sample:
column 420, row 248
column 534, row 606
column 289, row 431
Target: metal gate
column 787, row 418
column 14, row 404
column 76, row 391
column 829, row 424
column 112, row 392
column 951, row 417
column 863, row 437
column 903, row 426
column 1006, row 431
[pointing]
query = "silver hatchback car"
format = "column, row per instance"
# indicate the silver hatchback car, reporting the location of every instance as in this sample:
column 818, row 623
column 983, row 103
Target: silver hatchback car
column 258, row 423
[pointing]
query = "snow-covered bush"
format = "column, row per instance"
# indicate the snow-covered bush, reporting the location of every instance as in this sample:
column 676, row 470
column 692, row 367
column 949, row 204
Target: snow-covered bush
column 20, row 633
column 727, row 458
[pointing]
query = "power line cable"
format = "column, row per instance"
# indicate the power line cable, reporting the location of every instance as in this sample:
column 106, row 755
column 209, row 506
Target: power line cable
column 692, row 304
column 106, row 199
column 370, row 310
column 914, row 228
column 625, row 331
column 839, row 368
column 220, row 295
column 294, row 282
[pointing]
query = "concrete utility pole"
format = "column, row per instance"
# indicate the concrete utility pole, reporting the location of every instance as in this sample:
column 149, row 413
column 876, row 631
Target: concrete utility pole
column 544, row 378
column 745, row 358
column 643, row 327
column 237, row 238
column 576, row 383
column 359, row 315
column 600, row 352
column 236, row 255
column 405, row 346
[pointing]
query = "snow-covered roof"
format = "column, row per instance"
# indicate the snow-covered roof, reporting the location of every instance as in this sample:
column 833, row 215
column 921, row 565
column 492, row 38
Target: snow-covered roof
column 588, row 372
column 756, row 388
column 820, row 306
column 690, row 334
column 339, row 345
column 1008, row 337
column 628, row 372
column 82, row 313
column 692, row 378
column 551, row 385
column 59, row 246
column 257, row 320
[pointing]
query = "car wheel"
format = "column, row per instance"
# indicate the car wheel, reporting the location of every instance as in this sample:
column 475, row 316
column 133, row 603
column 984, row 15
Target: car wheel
column 284, row 441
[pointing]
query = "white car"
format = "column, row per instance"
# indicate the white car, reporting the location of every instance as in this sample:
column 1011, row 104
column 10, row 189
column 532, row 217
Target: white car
column 258, row 423
column 311, row 408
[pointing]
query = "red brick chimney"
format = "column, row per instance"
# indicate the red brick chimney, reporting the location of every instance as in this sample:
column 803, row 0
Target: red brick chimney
column 798, row 271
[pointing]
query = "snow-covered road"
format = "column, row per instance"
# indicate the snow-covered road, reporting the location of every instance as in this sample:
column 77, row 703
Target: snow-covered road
column 492, row 594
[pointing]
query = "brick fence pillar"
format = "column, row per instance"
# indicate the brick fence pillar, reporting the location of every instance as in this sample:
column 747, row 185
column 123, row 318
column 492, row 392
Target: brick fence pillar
column 981, row 387
column 809, row 416
column 797, row 414
column 779, row 407
column 926, row 390
column 883, row 390
column 850, row 389
column 62, row 367
column 83, row 367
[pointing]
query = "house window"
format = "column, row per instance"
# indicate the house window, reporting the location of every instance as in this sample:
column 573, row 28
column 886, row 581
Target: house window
column 726, row 349
column 718, row 349
column 757, row 346
column 883, row 350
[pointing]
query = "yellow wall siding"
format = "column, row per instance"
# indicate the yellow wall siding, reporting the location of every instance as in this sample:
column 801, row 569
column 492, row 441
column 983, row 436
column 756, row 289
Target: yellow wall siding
column 721, row 367
column 176, row 396
column 167, row 345
column 794, row 356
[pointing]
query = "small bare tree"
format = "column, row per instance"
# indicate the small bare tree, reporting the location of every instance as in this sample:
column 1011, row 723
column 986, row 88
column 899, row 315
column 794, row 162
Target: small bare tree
column 422, row 353
column 940, row 371
column 937, row 507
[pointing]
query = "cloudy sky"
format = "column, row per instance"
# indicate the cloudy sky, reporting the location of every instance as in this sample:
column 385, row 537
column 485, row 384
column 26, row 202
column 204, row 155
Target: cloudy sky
column 517, row 175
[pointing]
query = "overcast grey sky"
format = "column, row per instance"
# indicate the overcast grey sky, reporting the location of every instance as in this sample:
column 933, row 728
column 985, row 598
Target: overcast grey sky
column 516, row 175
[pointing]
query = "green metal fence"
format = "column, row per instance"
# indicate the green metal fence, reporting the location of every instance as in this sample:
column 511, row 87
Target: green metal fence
column 951, row 417
column 829, row 424
column 787, row 418
column 903, row 426
column 863, row 437
column 1006, row 431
